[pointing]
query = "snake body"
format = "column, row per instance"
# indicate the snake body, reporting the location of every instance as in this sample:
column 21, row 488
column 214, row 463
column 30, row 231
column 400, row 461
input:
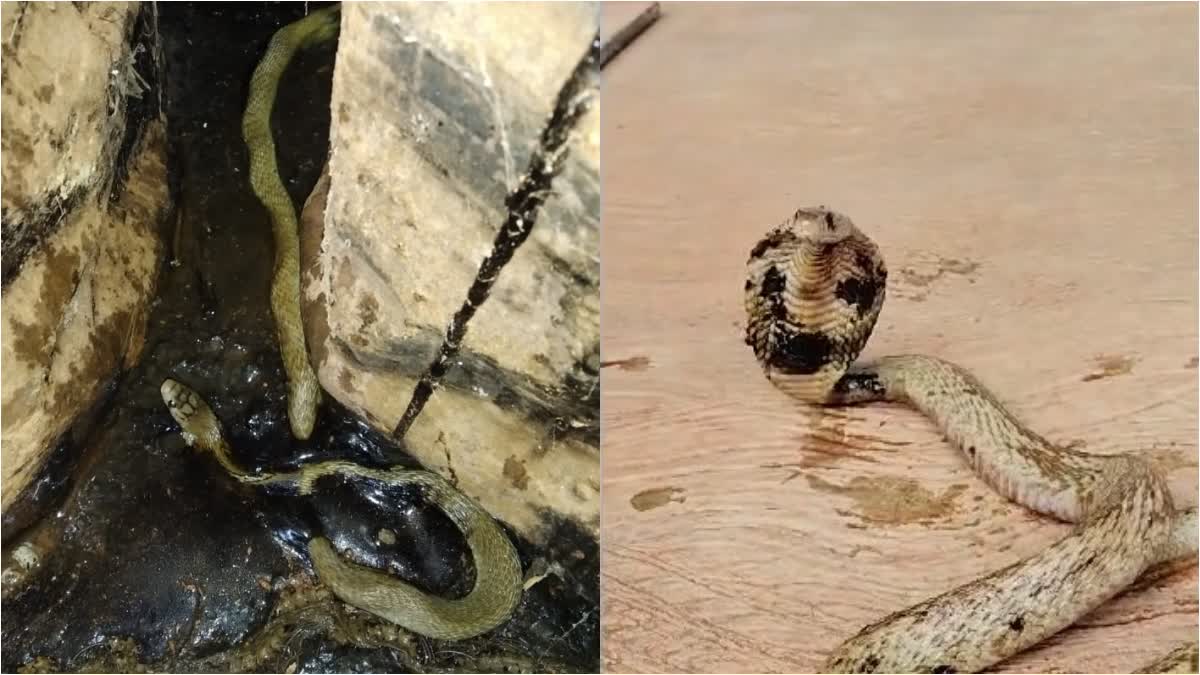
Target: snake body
column 304, row 392
column 814, row 289
column 498, row 582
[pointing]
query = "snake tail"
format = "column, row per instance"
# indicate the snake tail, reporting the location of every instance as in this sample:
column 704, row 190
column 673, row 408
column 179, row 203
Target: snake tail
column 304, row 391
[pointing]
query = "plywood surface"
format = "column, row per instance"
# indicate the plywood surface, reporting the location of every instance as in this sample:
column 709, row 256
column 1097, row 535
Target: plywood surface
column 1031, row 179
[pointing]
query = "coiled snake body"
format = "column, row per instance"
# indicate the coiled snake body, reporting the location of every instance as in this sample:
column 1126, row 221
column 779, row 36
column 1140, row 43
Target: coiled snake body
column 814, row 289
column 498, row 581
column 497, row 587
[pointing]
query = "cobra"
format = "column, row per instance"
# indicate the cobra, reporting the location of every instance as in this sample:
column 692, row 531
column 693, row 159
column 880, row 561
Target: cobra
column 814, row 289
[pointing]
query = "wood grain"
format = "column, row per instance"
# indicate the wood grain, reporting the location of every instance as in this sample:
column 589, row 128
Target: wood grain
column 1030, row 176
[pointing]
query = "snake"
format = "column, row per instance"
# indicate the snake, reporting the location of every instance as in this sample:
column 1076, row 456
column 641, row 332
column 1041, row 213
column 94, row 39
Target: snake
column 814, row 289
column 304, row 391
column 498, row 582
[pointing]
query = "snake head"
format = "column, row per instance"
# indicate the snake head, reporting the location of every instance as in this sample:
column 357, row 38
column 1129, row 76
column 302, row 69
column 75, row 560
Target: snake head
column 180, row 400
column 821, row 225
column 196, row 420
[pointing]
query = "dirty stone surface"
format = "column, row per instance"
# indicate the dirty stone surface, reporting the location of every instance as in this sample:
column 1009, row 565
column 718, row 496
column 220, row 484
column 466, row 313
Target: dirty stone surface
column 400, row 241
column 145, row 556
column 63, row 126
column 84, row 167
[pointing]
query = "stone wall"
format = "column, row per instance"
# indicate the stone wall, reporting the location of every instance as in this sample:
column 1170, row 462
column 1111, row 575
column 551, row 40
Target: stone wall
column 436, row 108
column 84, row 188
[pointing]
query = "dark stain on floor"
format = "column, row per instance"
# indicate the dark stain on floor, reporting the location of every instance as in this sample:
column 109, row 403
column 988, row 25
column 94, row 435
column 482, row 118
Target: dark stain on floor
column 1108, row 365
column 918, row 278
column 656, row 497
column 633, row 363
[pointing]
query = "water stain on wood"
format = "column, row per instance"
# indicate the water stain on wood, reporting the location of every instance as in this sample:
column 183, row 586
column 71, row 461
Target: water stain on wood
column 632, row 364
column 1110, row 365
column 891, row 500
column 827, row 442
column 824, row 441
column 917, row 278
column 656, row 497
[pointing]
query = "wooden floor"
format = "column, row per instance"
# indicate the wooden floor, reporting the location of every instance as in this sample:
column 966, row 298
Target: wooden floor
column 1030, row 173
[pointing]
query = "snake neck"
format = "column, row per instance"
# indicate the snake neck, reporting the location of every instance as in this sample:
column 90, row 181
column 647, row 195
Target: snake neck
column 808, row 353
column 809, row 267
column 224, row 455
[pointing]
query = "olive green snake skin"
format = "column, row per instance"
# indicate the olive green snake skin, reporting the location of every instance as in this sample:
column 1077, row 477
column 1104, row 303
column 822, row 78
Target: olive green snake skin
column 304, row 392
column 814, row 289
column 498, row 581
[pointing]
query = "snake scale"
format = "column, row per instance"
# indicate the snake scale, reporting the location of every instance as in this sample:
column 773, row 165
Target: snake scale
column 498, row 581
column 814, row 289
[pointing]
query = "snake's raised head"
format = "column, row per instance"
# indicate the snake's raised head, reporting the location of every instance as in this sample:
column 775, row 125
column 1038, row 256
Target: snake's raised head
column 820, row 225
column 814, row 288
column 196, row 420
